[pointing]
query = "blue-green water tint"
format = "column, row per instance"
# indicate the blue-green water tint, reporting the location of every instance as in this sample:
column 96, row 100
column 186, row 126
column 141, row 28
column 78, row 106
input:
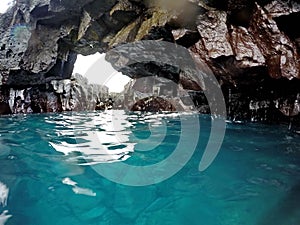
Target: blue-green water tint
column 253, row 181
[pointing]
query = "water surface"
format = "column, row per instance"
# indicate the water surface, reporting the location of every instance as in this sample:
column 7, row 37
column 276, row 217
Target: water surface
column 47, row 172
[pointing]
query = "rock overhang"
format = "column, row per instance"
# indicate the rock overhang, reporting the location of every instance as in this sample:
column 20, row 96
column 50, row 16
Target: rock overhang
column 245, row 43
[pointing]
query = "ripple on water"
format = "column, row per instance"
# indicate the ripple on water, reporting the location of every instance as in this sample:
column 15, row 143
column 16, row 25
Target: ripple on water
column 51, row 174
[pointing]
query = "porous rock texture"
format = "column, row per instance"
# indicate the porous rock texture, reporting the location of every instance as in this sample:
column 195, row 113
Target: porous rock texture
column 250, row 46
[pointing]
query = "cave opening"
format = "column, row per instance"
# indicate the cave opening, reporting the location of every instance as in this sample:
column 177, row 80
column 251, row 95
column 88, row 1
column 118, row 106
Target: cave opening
column 5, row 5
column 98, row 71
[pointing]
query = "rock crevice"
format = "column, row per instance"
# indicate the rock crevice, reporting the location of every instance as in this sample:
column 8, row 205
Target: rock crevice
column 248, row 44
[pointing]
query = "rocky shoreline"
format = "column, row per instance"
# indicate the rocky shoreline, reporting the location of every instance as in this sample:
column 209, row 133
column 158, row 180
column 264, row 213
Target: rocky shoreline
column 250, row 46
column 74, row 94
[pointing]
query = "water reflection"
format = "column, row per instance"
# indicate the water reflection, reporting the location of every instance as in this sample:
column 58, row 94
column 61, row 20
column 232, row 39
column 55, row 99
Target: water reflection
column 95, row 139
column 3, row 194
column 106, row 137
column 253, row 169
column 4, row 216
column 78, row 190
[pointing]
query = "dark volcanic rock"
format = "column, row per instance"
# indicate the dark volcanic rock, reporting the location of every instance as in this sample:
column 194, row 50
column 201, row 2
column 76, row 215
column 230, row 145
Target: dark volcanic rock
column 38, row 36
column 214, row 34
column 74, row 94
column 153, row 104
column 250, row 46
column 280, row 52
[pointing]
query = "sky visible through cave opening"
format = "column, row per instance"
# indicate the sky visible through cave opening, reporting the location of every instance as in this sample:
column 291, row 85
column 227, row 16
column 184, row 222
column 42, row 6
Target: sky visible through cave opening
column 5, row 4
column 115, row 83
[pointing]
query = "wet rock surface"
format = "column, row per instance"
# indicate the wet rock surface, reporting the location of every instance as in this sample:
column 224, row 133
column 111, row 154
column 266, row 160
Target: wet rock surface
column 282, row 58
column 250, row 46
column 74, row 94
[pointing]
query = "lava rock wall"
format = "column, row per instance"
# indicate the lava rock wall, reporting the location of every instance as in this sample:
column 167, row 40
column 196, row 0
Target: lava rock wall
column 74, row 94
column 251, row 46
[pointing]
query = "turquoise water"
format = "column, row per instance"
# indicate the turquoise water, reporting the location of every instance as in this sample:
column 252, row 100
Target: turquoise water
column 49, row 171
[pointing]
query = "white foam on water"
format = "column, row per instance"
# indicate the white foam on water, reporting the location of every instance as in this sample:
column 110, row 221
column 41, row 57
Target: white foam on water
column 3, row 194
column 77, row 190
column 83, row 191
column 3, row 202
column 4, row 217
column 68, row 181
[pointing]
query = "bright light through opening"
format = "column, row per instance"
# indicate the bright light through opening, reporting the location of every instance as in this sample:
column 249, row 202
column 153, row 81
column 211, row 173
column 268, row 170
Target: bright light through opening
column 116, row 81
column 5, row 4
